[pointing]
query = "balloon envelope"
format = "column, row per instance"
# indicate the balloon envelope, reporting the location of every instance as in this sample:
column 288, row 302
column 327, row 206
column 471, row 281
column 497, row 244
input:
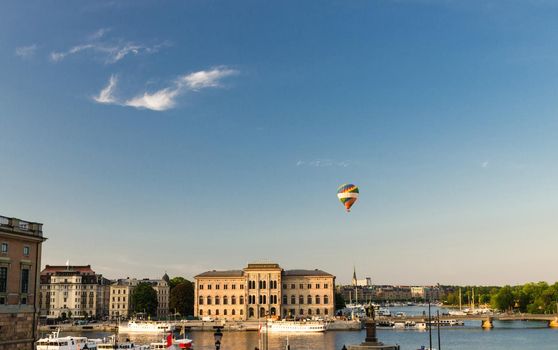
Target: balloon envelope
column 348, row 195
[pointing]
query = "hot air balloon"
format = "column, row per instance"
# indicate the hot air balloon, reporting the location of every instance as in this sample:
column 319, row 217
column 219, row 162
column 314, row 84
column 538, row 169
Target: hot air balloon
column 347, row 194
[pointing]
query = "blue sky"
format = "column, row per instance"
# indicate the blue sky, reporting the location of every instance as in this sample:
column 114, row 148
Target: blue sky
column 194, row 135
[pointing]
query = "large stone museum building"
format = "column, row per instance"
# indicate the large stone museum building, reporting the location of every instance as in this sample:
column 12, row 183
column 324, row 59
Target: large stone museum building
column 20, row 260
column 264, row 290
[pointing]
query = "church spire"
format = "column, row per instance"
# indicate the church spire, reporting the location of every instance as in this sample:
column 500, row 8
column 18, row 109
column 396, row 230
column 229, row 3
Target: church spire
column 354, row 276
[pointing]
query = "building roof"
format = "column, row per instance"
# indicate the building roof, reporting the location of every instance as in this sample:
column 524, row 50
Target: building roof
column 300, row 272
column 81, row 269
column 228, row 273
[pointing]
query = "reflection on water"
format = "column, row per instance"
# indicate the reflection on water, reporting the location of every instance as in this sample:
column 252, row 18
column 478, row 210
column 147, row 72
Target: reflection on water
column 512, row 335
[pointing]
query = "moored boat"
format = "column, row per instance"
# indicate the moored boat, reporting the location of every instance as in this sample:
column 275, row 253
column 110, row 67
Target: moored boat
column 55, row 342
column 293, row 327
column 145, row 327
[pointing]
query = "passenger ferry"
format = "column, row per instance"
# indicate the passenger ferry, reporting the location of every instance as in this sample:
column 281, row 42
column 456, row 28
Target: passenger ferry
column 145, row 327
column 293, row 327
column 113, row 344
column 55, row 342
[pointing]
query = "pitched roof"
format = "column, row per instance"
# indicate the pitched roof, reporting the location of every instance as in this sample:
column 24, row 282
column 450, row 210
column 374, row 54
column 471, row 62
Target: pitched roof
column 82, row 269
column 300, row 272
column 228, row 273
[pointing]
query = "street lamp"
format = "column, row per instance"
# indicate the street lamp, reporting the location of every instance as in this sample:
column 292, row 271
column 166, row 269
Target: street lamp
column 217, row 335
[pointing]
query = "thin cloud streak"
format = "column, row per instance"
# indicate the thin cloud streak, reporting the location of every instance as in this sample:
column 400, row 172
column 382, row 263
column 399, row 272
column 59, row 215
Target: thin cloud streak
column 106, row 95
column 164, row 99
column 26, row 51
column 112, row 52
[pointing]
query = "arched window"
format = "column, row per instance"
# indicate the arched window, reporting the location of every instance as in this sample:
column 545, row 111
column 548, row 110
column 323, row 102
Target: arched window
column 233, row 300
column 317, row 311
column 233, row 312
column 208, row 300
column 309, row 300
column 209, row 312
column 241, row 312
column 262, row 312
column 300, row 299
column 317, row 299
column 201, row 312
column 225, row 300
column 217, row 300
column 309, row 311
column 251, row 312
column 293, row 299
column 241, row 300
column 200, row 300
column 273, row 311
column 326, row 299
column 225, row 312
column 285, row 299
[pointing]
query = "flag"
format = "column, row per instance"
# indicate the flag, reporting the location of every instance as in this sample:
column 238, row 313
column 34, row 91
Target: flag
column 169, row 340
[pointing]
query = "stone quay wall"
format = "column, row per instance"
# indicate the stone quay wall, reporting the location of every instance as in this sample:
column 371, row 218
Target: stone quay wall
column 16, row 330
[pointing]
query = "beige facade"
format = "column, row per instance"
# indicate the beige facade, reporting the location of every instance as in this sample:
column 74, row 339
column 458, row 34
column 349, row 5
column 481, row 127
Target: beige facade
column 264, row 290
column 73, row 292
column 120, row 305
column 20, row 260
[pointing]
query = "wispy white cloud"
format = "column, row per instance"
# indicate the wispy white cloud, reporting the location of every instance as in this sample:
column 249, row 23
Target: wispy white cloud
column 26, row 51
column 158, row 101
column 321, row 163
column 110, row 51
column 99, row 34
column 484, row 164
column 165, row 98
column 207, row 78
column 107, row 94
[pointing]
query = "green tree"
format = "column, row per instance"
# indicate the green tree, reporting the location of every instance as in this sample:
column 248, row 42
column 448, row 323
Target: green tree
column 504, row 299
column 182, row 298
column 175, row 281
column 339, row 301
column 144, row 299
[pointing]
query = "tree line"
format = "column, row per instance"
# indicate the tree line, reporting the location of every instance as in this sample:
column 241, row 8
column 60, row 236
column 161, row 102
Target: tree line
column 536, row 298
column 181, row 298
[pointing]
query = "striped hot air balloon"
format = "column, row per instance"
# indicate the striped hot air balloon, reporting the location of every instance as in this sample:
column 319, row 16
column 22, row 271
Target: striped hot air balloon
column 347, row 194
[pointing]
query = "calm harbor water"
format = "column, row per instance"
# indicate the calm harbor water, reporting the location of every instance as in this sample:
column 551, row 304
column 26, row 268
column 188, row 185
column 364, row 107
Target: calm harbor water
column 505, row 336
column 513, row 335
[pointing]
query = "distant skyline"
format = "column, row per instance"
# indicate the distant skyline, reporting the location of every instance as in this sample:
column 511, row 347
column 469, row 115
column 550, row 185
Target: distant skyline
column 185, row 136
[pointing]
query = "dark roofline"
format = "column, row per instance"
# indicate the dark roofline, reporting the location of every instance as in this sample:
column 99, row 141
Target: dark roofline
column 227, row 273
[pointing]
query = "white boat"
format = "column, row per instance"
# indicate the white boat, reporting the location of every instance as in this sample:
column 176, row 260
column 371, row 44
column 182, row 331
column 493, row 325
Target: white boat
column 113, row 344
column 171, row 344
column 293, row 327
column 55, row 342
column 145, row 327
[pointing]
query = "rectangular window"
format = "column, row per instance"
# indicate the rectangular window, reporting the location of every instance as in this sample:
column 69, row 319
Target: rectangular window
column 201, row 286
column 209, row 286
column 4, row 248
column 292, row 286
column 216, row 286
column 3, row 279
column 309, row 286
column 226, row 286
column 26, row 251
column 301, row 286
column 317, row 286
column 325, row 285
column 25, row 280
column 234, row 286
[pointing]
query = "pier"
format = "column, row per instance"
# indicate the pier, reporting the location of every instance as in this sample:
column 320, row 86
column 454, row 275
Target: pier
column 486, row 321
